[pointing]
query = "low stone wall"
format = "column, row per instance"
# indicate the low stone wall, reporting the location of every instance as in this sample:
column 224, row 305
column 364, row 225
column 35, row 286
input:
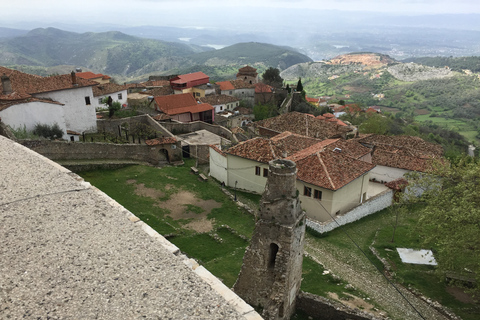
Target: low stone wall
column 111, row 125
column 62, row 150
column 372, row 205
column 320, row 308
column 180, row 128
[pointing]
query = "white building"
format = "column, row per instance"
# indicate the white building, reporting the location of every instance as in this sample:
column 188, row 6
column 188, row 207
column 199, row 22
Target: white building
column 115, row 91
column 27, row 100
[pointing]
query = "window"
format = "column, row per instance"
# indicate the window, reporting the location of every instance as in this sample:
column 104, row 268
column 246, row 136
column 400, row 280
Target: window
column 265, row 172
column 237, row 104
column 221, row 108
column 119, row 96
column 307, row 191
column 273, row 255
column 100, row 101
column 317, row 194
column 230, row 92
column 257, row 171
column 87, row 101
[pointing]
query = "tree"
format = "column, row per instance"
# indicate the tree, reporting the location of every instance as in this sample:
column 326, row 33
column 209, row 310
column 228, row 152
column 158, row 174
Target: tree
column 376, row 123
column 271, row 76
column 299, row 85
column 112, row 106
column 450, row 219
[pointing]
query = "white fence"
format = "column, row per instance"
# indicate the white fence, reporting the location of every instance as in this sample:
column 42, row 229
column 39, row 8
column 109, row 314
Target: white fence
column 372, row 205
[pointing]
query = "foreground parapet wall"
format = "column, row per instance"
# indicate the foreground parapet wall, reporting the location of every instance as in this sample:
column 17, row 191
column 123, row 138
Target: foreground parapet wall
column 70, row 252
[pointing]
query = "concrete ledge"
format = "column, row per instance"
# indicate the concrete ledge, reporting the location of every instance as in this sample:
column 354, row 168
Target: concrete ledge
column 240, row 306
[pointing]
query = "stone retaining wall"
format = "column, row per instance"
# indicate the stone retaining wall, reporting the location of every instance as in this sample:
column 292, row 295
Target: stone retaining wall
column 111, row 125
column 322, row 308
column 61, row 150
column 372, row 205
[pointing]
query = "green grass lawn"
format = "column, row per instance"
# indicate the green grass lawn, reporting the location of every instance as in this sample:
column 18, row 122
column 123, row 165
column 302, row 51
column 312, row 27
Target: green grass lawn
column 221, row 250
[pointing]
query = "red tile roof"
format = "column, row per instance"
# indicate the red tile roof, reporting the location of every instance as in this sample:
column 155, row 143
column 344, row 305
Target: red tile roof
column 279, row 147
column 303, row 124
column 175, row 101
column 240, row 84
column 107, row 88
column 183, row 78
column 263, row 88
column 225, row 85
column 317, row 163
column 403, row 152
column 90, row 75
column 247, row 69
column 24, row 85
column 181, row 103
column 156, row 83
column 330, row 170
column 216, row 99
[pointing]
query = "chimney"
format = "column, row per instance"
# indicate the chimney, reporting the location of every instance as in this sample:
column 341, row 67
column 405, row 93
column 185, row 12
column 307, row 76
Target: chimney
column 74, row 78
column 6, row 85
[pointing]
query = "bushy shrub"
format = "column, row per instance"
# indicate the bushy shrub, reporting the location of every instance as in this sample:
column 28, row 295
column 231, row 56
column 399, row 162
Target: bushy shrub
column 47, row 131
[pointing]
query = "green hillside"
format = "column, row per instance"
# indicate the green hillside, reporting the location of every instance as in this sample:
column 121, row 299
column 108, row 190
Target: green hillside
column 109, row 52
column 251, row 53
column 435, row 96
column 454, row 63
column 129, row 58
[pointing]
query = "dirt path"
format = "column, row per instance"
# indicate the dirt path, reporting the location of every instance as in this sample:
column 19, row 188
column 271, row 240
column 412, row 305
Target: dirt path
column 363, row 276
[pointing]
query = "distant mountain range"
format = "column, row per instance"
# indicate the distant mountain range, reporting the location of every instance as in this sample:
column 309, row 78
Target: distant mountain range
column 124, row 56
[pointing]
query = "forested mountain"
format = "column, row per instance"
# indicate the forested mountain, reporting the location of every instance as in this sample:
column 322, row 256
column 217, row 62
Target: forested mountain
column 123, row 56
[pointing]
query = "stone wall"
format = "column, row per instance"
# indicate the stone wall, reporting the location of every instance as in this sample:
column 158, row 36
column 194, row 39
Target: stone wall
column 111, row 125
column 372, row 205
column 61, row 150
column 180, row 128
column 320, row 308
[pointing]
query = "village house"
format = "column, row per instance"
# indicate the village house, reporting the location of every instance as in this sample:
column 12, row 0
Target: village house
column 66, row 100
column 115, row 91
column 264, row 94
column 221, row 102
column 97, row 77
column 184, row 108
column 238, row 88
column 394, row 156
column 304, row 124
column 332, row 174
column 185, row 83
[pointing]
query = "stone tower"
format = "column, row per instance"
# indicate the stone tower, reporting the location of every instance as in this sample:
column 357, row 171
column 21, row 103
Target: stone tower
column 248, row 74
column 272, row 266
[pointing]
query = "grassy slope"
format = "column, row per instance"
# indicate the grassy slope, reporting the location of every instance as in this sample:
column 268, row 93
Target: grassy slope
column 224, row 257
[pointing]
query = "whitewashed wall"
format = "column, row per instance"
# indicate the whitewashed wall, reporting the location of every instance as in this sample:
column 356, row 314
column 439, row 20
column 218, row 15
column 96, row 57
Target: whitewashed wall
column 372, row 205
column 114, row 96
column 218, row 165
column 32, row 113
column 78, row 115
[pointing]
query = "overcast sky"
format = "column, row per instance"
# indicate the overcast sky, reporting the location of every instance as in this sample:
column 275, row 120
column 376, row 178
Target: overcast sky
column 173, row 13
